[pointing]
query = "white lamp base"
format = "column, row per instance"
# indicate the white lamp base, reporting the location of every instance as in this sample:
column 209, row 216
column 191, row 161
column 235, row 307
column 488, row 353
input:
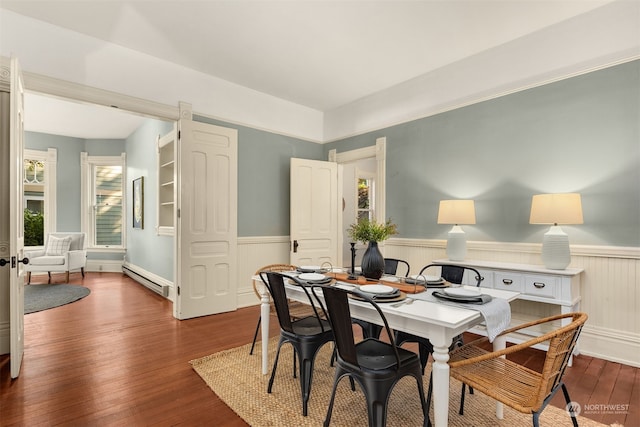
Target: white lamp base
column 556, row 254
column 456, row 244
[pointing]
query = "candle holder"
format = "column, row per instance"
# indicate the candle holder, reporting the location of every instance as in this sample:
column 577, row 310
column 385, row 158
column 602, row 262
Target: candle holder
column 352, row 272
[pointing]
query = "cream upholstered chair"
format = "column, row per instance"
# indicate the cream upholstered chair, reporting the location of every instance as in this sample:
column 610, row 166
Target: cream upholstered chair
column 62, row 252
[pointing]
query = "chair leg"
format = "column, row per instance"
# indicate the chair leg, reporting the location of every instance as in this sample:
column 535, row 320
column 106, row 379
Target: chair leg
column 464, row 388
column 49, row 273
column 28, row 277
column 275, row 366
column 67, row 278
column 82, row 271
column 574, row 418
column 255, row 335
column 306, row 375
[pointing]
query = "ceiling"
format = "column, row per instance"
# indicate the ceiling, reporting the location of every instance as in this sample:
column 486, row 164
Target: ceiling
column 321, row 54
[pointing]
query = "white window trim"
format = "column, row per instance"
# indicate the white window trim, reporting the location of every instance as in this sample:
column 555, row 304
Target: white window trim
column 86, row 201
column 50, row 159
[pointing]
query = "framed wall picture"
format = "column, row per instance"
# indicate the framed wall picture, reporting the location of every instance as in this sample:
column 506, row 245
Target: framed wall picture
column 138, row 203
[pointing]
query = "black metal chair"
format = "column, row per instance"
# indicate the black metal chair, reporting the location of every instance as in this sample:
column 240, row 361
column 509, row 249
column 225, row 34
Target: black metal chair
column 306, row 335
column 452, row 274
column 374, row 364
column 391, row 266
column 369, row 330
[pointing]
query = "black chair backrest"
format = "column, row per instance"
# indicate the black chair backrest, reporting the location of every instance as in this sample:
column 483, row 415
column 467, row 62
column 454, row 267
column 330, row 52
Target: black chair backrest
column 391, row 266
column 275, row 285
column 337, row 307
column 455, row 273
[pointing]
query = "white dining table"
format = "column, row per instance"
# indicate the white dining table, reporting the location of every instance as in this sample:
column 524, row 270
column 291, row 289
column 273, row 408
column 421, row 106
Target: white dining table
column 438, row 322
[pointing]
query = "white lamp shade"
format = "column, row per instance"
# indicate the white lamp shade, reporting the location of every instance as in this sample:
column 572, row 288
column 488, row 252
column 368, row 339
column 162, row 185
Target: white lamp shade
column 556, row 209
column 457, row 212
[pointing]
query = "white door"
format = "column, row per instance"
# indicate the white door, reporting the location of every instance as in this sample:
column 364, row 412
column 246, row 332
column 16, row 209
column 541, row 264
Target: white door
column 16, row 222
column 207, row 220
column 315, row 215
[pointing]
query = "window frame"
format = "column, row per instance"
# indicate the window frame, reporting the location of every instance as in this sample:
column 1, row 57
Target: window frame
column 371, row 177
column 88, row 163
column 50, row 159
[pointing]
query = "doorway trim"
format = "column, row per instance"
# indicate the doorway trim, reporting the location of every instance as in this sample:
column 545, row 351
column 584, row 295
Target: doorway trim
column 379, row 151
column 64, row 89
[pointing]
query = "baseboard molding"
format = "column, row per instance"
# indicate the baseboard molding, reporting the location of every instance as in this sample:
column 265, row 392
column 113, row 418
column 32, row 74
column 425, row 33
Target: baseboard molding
column 104, row 266
column 610, row 345
column 157, row 284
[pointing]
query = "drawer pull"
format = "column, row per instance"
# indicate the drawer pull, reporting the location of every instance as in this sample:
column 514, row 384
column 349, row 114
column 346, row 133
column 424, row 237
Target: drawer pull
column 507, row 281
column 539, row 285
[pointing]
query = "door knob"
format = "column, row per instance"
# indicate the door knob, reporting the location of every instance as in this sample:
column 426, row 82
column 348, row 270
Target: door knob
column 3, row 262
column 24, row 260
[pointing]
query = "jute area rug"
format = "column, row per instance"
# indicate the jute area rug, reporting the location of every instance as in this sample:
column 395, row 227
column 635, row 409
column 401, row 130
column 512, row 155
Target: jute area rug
column 235, row 376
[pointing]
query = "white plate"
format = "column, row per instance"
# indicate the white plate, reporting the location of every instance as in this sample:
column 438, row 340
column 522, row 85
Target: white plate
column 309, row 267
column 426, row 278
column 377, row 289
column 312, row 277
column 390, row 279
column 461, row 292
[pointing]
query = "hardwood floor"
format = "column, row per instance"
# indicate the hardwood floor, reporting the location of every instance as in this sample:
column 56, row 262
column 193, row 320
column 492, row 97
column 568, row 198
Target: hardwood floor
column 118, row 357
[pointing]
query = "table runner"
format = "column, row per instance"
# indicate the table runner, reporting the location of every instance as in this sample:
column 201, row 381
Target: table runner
column 496, row 313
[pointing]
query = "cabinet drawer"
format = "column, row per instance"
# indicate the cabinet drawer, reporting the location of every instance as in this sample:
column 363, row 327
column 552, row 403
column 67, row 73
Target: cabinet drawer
column 486, row 278
column 542, row 286
column 508, row 281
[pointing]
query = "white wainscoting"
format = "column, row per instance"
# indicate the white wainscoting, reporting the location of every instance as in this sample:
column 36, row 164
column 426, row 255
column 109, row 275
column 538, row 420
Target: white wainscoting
column 253, row 253
column 610, row 285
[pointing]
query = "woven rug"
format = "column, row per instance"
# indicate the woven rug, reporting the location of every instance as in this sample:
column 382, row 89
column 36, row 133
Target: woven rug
column 44, row 297
column 235, row 376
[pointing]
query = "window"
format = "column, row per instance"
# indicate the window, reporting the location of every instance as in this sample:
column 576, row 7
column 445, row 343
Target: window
column 39, row 197
column 103, row 201
column 366, row 192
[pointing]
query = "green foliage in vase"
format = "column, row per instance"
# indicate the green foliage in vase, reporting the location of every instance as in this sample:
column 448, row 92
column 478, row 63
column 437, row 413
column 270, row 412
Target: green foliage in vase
column 371, row 231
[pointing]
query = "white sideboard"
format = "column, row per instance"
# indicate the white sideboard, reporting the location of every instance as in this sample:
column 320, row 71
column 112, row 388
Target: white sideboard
column 559, row 290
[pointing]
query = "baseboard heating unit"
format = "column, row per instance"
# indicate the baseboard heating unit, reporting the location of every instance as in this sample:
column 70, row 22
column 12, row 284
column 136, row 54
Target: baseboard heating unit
column 155, row 287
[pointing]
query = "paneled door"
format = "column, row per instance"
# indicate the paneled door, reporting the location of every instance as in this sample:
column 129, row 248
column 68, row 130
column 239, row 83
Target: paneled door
column 315, row 217
column 16, row 222
column 206, row 220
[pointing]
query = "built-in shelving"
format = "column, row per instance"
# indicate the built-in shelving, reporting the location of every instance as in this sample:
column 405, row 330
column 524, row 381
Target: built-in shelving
column 166, row 183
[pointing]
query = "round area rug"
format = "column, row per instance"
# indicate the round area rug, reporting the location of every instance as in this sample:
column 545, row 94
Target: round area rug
column 44, row 297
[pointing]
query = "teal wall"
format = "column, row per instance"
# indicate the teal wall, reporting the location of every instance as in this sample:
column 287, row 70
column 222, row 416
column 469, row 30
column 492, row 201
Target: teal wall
column 145, row 248
column 263, row 178
column 576, row 135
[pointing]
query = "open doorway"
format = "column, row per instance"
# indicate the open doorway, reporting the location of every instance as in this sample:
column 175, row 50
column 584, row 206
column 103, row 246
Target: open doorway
column 363, row 190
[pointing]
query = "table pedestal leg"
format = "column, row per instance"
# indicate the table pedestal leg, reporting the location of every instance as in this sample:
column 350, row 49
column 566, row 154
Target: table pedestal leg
column 264, row 325
column 440, row 370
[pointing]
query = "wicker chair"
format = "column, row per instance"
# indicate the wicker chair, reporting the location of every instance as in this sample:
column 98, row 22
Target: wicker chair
column 516, row 386
column 297, row 309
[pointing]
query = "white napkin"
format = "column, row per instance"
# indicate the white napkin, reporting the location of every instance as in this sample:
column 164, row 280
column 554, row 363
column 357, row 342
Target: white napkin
column 496, row 313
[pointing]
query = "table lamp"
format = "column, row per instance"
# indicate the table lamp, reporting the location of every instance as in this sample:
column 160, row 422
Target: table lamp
column 456, row 212
column 556, row 209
